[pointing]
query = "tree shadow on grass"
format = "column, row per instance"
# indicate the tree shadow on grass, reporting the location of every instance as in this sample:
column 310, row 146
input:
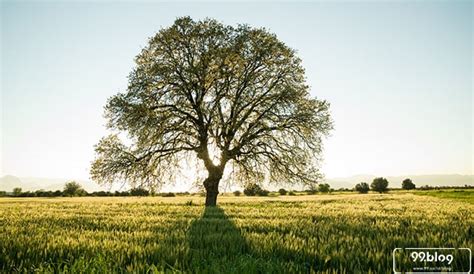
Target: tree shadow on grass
column 216, row 245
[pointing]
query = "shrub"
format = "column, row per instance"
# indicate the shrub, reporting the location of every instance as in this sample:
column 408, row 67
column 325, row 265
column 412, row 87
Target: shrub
column 139, row 192
column 43, row 193
column 282, row 191
column 379, row 184
column 362, row 187
column 324, row 188
column 237, row 193
column 101, row 193
column 168, row 194
column 252, row 189
column 291, row 193
column 408, row 184
column 27, row 194
column 263, row 192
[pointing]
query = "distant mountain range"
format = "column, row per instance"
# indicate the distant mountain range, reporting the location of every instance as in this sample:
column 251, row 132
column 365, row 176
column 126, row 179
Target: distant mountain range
column 8, row 182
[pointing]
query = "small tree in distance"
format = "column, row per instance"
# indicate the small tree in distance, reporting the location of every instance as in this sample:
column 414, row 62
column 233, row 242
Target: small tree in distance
column 251, row 189
column 254, row 189
column 73, row 189
column 362, row 187
column 379, row 184
column 324, row 188
column 17, row 191
column 282, row 191
column 407, row 184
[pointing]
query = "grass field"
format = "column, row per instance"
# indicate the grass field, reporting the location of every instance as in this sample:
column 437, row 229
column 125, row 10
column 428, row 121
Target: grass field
column 351, row 233
column 466, row 195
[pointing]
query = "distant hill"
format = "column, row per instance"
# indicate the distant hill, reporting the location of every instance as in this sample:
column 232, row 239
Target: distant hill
column 396, row 181
column 8, row 182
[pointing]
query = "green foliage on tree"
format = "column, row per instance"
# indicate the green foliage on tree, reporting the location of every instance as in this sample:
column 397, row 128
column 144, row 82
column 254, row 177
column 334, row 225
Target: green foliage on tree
column 17, row 191
column 218, row 94
column 139, row 192
column 362, row 187
column 73, row 189
column 282, row 191
column 408, row 184
column 253, row 189
column 379, row 184
column 324, row 188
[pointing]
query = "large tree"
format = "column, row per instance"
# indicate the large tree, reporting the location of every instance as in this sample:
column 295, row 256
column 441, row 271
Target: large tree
column 219, row 93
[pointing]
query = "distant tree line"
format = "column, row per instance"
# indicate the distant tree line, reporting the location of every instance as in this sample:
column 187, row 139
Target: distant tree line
column 380, row 185
column 254, row 189
column 427, row 187
column 73, row 189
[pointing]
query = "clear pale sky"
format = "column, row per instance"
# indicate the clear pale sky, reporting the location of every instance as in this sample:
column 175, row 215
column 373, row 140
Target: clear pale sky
column 398, row 76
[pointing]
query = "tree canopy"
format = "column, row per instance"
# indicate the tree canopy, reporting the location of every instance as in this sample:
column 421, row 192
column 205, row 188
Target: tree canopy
column 220, row 94
column 73, row 189
column 408, row 184
column 362, row 187
column 379, row 184
column 324, row 188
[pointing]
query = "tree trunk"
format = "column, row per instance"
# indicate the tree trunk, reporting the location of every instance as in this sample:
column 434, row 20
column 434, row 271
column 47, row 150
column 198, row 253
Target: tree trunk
column 211, row 195
column 212, row 187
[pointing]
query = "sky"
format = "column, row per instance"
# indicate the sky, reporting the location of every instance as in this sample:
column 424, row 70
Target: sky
column 398, row 76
